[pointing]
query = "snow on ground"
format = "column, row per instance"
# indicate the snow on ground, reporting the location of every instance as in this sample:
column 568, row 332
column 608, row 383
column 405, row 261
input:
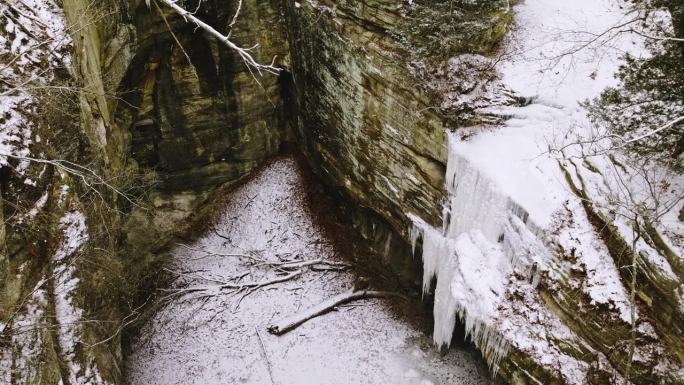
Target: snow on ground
column 506, row 192
column 216, row 342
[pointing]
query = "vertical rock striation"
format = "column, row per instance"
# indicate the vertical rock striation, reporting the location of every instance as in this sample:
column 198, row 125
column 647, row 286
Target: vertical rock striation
column 369, row 93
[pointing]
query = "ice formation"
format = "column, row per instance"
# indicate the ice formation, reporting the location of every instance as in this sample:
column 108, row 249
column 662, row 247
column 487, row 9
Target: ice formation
column 485, row 237
column 505, row 200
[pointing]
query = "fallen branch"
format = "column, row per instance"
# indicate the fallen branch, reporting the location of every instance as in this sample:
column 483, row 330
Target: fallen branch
column 258, row 285
column 211, row 253
column 292, row 322
column 286, row 264
column 312, row 263
column 234, row 287
column 192, row 275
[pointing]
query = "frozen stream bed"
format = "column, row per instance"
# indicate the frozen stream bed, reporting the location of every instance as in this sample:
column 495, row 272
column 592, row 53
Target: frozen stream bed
column 219, row 336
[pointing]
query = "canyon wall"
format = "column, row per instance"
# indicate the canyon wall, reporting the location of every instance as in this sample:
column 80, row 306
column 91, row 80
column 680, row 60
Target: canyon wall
column 159, row 129
column 368, row 92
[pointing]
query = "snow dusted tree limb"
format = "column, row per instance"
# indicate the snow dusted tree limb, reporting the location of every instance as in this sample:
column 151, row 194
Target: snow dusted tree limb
column 595, row 142
column 282, row 270
column 246, row 57
column 235, row 287
column 652, row 132
column 237, row 13
column 285, row 325
column 652, row 37
column 89, row 178
column 255, row 260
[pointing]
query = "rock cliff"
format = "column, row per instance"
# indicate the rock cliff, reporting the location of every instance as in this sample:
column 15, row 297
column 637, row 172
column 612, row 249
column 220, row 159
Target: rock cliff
column 370, row 92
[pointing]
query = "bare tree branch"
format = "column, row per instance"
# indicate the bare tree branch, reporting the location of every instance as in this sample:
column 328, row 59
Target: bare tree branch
column 89, row 178
column 246, row 57
column 175, row 38
column 652, row 37
column 652, row 132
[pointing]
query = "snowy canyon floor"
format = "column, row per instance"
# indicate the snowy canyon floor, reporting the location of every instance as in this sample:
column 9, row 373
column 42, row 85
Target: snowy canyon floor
column 219, row 336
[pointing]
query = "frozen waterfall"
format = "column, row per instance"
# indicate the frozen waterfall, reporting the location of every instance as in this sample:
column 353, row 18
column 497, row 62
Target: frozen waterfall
column 485, row 237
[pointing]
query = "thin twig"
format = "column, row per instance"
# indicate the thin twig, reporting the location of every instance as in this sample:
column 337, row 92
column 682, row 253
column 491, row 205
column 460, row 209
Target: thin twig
column 175, row 38
column 263, row 353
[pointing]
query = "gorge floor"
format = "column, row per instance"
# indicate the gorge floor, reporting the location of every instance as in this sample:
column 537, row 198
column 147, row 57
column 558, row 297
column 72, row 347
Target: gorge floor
column 222, row 338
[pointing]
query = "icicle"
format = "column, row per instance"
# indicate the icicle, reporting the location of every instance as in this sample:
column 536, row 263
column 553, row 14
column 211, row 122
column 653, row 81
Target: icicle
column 414, row 233
column 485, row 236
column 474, row 201
column 446, row 217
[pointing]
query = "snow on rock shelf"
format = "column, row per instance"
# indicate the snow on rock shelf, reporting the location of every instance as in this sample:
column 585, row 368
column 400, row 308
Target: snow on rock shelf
column 68, row 315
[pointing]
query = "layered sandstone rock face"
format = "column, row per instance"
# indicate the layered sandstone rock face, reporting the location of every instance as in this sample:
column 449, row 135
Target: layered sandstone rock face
column 366, row 111
column 370, row 92
column 149, row 121
column 202, row 119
